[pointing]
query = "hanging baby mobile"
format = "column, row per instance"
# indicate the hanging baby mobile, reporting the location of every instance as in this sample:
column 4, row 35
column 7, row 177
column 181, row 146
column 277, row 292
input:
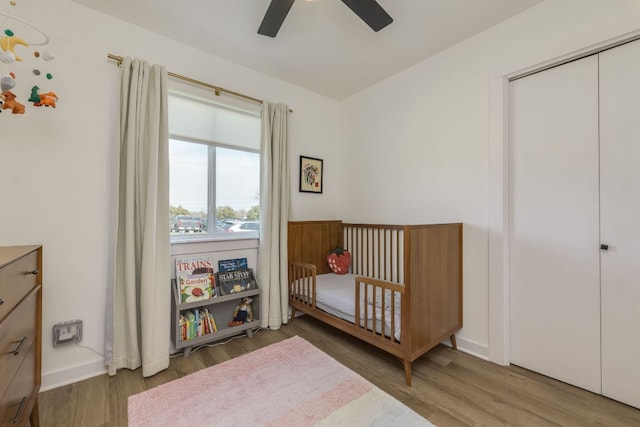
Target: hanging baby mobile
column 16, row 38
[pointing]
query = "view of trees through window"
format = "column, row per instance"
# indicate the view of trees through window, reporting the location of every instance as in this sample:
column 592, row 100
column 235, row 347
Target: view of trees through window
column 222, row 213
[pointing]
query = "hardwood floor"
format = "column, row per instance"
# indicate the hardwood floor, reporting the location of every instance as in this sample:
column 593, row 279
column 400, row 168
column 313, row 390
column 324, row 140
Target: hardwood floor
column 450, row 388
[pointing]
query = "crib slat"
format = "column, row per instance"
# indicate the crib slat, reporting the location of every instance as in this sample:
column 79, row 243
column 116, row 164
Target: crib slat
column 357, row 303
column 367, row 246
column 385, row 277
column 396, row 254
column 378, row 246
column 393, row 314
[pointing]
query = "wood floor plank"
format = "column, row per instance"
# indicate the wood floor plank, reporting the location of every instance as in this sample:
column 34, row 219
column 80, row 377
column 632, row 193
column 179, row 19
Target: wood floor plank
column 124, row 384
column 450, row 388
column 493, row 406
column 550, row 398
column 54, row 407
column 85, row 395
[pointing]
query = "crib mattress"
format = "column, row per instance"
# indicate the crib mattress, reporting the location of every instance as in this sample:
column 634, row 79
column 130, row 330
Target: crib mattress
column 335, row 294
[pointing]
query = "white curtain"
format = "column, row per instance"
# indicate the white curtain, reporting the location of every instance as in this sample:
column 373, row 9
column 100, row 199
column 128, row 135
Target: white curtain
column 138, row 302
column 274, row 216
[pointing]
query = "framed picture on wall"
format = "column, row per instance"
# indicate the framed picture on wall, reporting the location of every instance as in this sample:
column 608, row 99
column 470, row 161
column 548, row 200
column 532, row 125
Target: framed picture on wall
column 310, row 175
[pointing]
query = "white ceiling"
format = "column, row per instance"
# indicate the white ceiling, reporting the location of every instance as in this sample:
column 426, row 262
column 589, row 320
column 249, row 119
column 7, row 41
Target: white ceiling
column 322, row 45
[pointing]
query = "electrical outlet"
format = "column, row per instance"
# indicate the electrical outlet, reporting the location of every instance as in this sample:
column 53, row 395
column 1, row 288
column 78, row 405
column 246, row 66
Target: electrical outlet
column 67, row 332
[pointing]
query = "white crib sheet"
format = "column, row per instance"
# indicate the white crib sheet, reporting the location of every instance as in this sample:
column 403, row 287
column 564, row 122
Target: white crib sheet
column 335, row 294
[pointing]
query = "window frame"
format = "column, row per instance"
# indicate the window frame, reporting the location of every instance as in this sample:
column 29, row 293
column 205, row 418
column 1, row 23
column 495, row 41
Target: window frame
column 212, row 191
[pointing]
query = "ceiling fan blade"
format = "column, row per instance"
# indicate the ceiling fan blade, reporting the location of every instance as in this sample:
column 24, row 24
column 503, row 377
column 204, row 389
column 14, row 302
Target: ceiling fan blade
column 370, row 12
column 274, row 17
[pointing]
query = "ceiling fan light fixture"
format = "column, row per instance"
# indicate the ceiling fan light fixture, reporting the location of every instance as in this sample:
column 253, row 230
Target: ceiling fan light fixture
column 369, row 11
column 274, row 17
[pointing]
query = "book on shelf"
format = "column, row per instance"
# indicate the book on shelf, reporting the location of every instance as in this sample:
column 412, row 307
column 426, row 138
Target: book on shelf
column 196, row 264
column 212, row 327
column 197, row 287
column 213, row 323
column 231, row 282
column 196, row 323
column 188, row 325
column 195, row 279
column 232, row 264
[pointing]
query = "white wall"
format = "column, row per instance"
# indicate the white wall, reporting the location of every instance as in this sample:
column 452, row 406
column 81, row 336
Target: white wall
column 419, row 141
column 55, row 164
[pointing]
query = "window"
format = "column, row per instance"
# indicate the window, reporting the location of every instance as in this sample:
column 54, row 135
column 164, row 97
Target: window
column 214, row 167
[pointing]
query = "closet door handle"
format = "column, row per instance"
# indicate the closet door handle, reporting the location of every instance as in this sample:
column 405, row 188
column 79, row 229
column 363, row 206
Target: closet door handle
column 604, row 247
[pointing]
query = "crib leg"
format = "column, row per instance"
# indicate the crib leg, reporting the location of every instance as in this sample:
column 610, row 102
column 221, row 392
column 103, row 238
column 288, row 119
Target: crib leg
column 454, row 345
column 293, row 313
column 407, row 371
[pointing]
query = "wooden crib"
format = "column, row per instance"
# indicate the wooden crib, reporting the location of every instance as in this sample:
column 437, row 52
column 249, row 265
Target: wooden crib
column 421, row 265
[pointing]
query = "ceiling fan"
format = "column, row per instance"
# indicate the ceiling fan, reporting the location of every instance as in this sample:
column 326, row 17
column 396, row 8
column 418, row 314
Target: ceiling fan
column 368, row 10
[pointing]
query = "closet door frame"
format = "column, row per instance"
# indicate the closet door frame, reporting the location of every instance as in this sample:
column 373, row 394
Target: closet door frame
column 498, row 235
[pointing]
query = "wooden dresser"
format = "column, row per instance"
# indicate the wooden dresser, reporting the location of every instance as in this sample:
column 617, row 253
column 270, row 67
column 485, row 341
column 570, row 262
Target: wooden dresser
column 20, row 334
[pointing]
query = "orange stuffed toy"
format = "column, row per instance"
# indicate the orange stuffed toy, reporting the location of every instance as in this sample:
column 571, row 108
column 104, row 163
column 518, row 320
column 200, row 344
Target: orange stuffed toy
column 39, row 99
column 11, row 103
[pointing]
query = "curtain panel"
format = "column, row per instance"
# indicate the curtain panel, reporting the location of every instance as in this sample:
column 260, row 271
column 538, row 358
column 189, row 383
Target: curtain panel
column 138, row 302
column 274, row 215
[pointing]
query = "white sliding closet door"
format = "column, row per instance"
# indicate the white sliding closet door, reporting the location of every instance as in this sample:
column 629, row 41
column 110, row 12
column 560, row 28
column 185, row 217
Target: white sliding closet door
column 620, row 218
column 553, row 209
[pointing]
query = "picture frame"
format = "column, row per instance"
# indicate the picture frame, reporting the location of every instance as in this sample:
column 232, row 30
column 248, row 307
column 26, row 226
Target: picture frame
column 311, row 175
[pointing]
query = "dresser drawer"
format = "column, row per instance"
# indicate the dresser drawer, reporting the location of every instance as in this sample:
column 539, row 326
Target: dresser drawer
column 16, row 280
column 16, row 403
column 17, row 335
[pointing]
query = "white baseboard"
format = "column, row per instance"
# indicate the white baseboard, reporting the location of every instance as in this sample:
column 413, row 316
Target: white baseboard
column 51, row 380
column 470, row 347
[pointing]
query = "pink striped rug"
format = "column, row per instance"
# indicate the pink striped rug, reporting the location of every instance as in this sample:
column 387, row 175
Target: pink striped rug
column 290, row 383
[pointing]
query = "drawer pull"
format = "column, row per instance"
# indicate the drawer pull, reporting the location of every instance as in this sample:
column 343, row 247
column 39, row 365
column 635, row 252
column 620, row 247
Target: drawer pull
column 19, row 412
column 20, row 345
column 35, row 272
column 1, row 301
